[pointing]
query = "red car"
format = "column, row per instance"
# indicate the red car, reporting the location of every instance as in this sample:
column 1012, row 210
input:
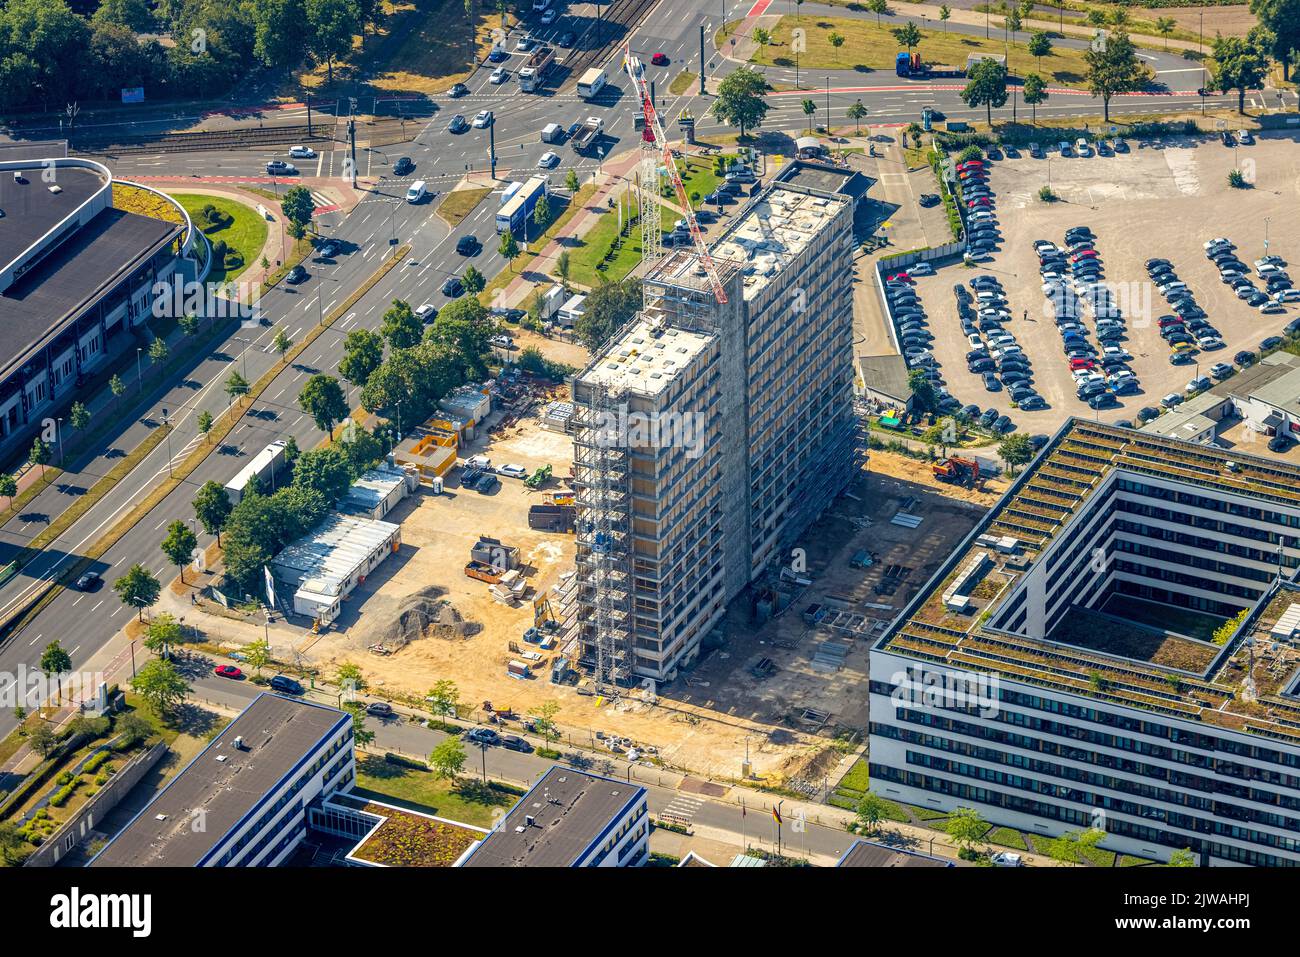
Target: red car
column 979, row 201
column 1082, row 364
column 1084, row 254
column 227, row 671
column 659, row 59
column 902, row 277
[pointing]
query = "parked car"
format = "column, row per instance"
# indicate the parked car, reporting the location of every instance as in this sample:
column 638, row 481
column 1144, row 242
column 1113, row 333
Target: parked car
column 380, row 709
column 228, row 671
column 512, row 470
column 482, row 736
column 512, row 742
column 285, row 684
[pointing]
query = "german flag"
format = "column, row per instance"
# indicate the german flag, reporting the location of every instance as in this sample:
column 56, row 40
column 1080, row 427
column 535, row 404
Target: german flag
column 776, row 815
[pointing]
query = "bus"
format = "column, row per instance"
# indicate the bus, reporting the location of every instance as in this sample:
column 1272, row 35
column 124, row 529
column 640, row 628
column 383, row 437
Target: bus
column 514, row 214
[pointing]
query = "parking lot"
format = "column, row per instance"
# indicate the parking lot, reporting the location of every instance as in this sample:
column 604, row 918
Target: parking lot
column 1164, row 198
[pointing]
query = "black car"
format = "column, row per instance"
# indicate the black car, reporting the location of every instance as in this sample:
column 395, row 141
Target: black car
column 565, row 40
column 704, row 216
column 1003, row 424
column 379, row 709
column 1244, row 358
column 1147, row 413
column 482, row 736
column 929, row 199
column 328, row 249
column 1279, row 443
column 988, row 418
column 1103, row 401
column 88, row 582
column 285, row 684
column 512, row 742
column 466, row 245
column 403, row 166
column 460, row 89
column 452, row 287
column 1272, row 342
column 1226, row 136
column 296, row 275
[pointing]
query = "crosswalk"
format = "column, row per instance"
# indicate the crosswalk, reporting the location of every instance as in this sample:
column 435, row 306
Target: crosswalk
column 681, row 810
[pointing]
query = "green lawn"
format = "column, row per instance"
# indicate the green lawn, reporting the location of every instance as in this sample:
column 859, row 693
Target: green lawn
column 1182, row 621
column 1006, row 837
column 469, row 802
column 858, row 777
column 245, row 234
column 869, row 47
column 589, row 252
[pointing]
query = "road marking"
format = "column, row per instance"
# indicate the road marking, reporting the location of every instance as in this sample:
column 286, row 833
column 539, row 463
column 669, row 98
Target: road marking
column 97, row 604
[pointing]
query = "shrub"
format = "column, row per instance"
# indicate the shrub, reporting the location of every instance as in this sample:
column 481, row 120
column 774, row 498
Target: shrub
column 1237, row 180
column 1046, row 194
column 64, row 779
column 95, row 763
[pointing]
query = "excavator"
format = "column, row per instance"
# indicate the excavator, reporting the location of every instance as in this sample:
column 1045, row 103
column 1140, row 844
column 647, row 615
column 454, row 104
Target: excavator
column 958, row 470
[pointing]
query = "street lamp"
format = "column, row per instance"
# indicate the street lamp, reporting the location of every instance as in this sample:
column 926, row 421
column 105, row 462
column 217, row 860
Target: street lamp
column 168, row 434
column 139, row 372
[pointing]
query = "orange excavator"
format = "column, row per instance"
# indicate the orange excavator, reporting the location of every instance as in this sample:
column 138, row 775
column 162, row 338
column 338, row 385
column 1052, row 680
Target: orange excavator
column 958, row 470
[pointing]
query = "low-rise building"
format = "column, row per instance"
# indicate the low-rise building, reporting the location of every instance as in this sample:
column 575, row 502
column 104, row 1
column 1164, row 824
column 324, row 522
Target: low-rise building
column 322, row 568
column 862, row 853
column 378, row 491
column 242, row 802
column 570, row 818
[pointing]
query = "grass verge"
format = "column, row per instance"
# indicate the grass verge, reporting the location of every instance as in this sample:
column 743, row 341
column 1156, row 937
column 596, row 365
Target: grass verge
column 459, row 203
column 506, row 276
column 682, row 82
column 244, row 234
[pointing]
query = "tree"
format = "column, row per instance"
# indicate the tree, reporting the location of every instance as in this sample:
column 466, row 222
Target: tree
column 908, row 35
column 740, row 101
column 298, row 207
column 279, row 38
column 986, row 86
column 1072, row 847
column 509, row 248
column 8, row 487
column 464, row 330
column 544, row 719
column 116, row 386
column 162, row 633
column 836, row 40
column 329, row 30
column 161, row 685
column 1034, row 92
column 443, row 698
column 761, row 36
column 138, row 588
column 212, row 508
column 923, row 393
column 473, row 280
column 79, row 416
column 1281, row 20
column 360, row 733
column 878, row 7
column 809, row 108
column 322, row 398
column 1118, row 17
column 447, row 760
column 157, row 351
column 871, row 810
column 363, row 352
column 179, row 545
column 40, row 454
column 563, row 265
column 571, row 181
column 1011, row 24
column 236, row 386
column 1183, row 857
column 42, row 739
column 205, row 423
column 400, row 326
column 1016, row 449
column 1238, row 63
column 939, row 434
column 1113, row 67
column 132, row 729
column 1040, row 45
column 945, row 14
column 257, row 654
column 1166, row 26
column 608, row 307
column 188, row 323
column 55, row 662
column 856, row 112
column 282, row 342
column 966, row 827
column 325, row 470
column 11, row 841
column 541, row 214
column 349, row 677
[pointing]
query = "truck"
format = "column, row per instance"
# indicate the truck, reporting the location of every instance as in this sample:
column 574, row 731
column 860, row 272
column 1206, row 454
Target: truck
column 261, row 469
column 536, row 68
column 514, row 215
column 587, row 134
column 591, row 83
column 912, row 66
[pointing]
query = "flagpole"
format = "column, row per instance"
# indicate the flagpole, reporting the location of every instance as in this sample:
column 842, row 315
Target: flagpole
column 779, row 805
column 744, row 840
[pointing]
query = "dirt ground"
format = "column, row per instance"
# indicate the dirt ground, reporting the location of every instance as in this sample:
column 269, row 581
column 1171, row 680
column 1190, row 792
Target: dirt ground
column 802, row 695
column 1164, row 199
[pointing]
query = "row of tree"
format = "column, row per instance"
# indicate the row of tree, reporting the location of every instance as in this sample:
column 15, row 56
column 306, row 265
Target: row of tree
column 51, row 55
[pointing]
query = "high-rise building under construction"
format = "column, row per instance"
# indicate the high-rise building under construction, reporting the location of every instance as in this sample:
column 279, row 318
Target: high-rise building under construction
column 711, row 434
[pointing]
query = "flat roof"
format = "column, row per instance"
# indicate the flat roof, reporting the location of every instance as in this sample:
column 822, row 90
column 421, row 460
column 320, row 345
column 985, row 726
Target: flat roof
column 887, row 374
column 1275, row 381
column 571, row 811
column 870, row 854
column 71, row 278
column 31, row 210
column 646, row 357
column 223, row 783
column 327, row 556
column 824, row 177
column 1110, row 663
column 373, row 487
column 774, row 229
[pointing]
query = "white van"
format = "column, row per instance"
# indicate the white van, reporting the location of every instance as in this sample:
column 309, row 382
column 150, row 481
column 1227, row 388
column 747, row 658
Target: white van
column 552, row 133
column 417, row 191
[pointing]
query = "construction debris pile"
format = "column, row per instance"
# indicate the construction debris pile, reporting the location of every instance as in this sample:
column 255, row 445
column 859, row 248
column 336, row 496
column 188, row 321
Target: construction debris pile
column 424, row 614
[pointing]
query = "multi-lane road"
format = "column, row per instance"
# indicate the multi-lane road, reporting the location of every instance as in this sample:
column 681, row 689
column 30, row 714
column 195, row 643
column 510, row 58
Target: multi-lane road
column 83, row 623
